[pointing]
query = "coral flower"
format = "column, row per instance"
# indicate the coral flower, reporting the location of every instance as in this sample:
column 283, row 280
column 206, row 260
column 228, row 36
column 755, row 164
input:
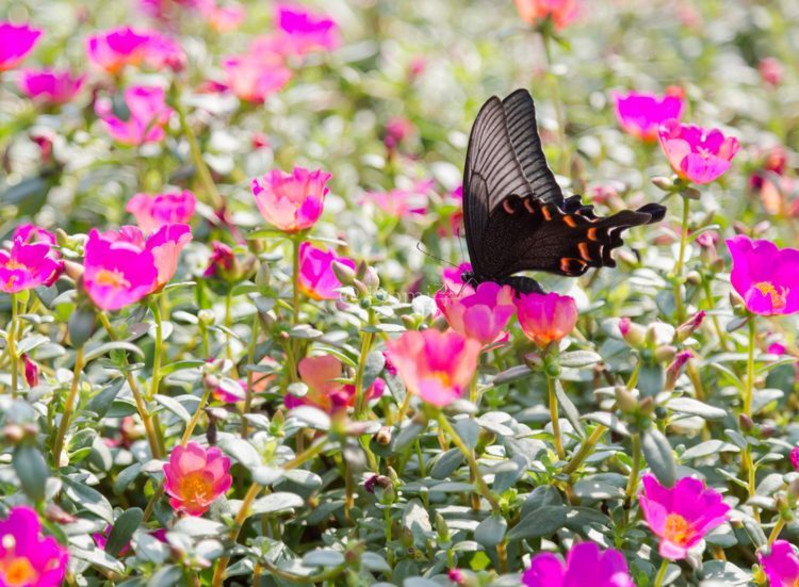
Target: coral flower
column 27, row 265
column 117, row 272
column 401, row 202
column 316, row 278
column 165, row 245
column 781, row 564
column 771, row 71
column 641, row 114
column 27, row 558
column 562, row 12
column 697, row 154
column 50, row 86
column 153, row 212
column 546, row 318
column 222, row 18
column 302, row 31
column 767, row 278
column 481, row 315
column 16, row 41
column 606, row 568
column 682, row 515
column 437, row 366
column 320, row 374
column 148, row 116
column 196, row 477
column 291, row 201
column 253, row 77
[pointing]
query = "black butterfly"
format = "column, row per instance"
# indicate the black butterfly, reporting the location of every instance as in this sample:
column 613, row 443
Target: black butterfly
column 515, row 215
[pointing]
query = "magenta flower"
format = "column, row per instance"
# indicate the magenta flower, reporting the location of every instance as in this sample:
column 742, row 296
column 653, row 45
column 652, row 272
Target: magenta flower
column 16, row 41
column 27, row 265
column 117, row 271
column 196, row 477
column 113, row 49
column 697, row 154
column 771, row 71
column 546, row 318
column 50, row 86
column 148, row 116
column 682, row 515
column 27, row 558
column 481, row 315
column 154, row 211
column 253, row 77
column 641, row 114
column 291, row 201
column 30, row 233
column 781, row 564
column 767, row 278
column 324, row 392
column 303, row 31
column 606, row 568
column 165, row 245
column 316, row 278
column 222, row 260
column 453, row 279
column 230, row 391
column 437, row 366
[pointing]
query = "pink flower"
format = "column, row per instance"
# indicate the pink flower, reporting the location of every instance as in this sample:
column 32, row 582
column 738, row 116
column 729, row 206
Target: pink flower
column 481, row 315
column 148, row 116
column 50, row 86
column 253, row 77
column 196, row 477
column 31, row 371
column 401, row 202
column 16, row 41
column 546, row 318
column 453, row 279
column 30, row 233
column 324, row 392
column 562, row 12
column 606, row 568
column 222, row 18
column 641, row 114
column 153, row 212
column 397, row 130
column 437, row 366
column 113, row 49
column 767, row 278
column 229, row 391
column 291, row 201
column 781, row 564
column 682, row 515
column 117, row 272
column 697, row 154
column 165, row 245
column 771, row 71
column 316, row 278
column 27, row 558
column 27, row 265
column 795, row 457
column 222, row 260
column 303, row 31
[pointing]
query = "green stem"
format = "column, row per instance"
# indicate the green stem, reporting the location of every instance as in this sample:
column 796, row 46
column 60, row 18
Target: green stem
column 387, row 521
column 12, row 347
column 256, row 323
column 661, row 573
column 69, row 407
column 296, row 241
column 366, row 346
column 585, row 451
column 228, row 323
column 558, row 103
column 553, row 414
column 775, row 533
column 678, row 301
column 632, row 485
column 750, row 370
column 196, row 417
column 209, row 187
column 157, row 352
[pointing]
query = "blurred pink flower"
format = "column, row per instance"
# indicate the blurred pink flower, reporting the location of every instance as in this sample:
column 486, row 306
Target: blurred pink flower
column 767, row 278
column 116, row 48
column 546, row 318
column 50, row 86
column 196, row 477
column 682, row 515
column 30, row 233
column 154, row 211
column 324, row 392
column 771, row 71
column 222, row 260
column 27, row 558
column 222, row 18
column 697, row 154
column 606, row 568
column 437, row 366
column 641, row 114
column 402, row 202
column 27, row 265
column 562, row 12
column 254, row 77
column 165, row 245
column 16, row 41
column 302, row 31
column 780, row 564
column 794, row 457
column 482, row 315
column 229, row 391
column 291, row 201
column 397, row 130
column 31, row 371
column 148, row 116
column 317, row 279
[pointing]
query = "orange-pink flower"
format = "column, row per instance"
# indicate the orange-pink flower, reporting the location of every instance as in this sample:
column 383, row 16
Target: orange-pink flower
column 562, row 12
column 27, row 265
column 546, row 318
column 291, row 201
column 697, row 154
column 481, row 315
column 196, row 477
column 320, row 374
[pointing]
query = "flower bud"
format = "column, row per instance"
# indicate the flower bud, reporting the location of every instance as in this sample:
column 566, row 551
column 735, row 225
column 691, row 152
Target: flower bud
column 344, row 273
column 625, row 400
column 634, row 334
column 664, row 183
column 687, row 328
column 206, row 317
column 383, row 436
column 665, row 353
column 31, row 371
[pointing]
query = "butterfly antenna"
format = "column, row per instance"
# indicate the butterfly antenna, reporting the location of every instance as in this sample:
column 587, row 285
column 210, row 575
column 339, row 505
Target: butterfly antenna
column 432, row 256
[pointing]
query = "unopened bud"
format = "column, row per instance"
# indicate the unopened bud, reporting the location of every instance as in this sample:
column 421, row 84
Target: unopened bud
column 646, row 406
column 663, row 183
column 206, row 317
column 533, row 360
column 371, row 280
column 383, row 436
column 625, row 400
column 673, row 371
column 344, row 273
column 691, row 193
column 687, row 328
column 31, row 371
column 665, row 353
column 634, row 334
column 745, row 422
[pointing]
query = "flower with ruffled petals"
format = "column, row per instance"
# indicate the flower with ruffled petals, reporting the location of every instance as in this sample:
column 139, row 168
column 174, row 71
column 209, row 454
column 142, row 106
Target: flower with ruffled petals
column 481, row 315
column 682, row 515
column 291, row 201
column 30, row 233
column 50, row 86
column 606, row 568
column 767, row 278
column 302, row 31
column 27, row 558
column 165, row 245
column 437, row 366
column 113, row 49
column 324, row 392
column 316, row 278
column 16, row 41
column 148, row 116
column 697, row 154
column 27, row 265
column 780, row 563
column 196, row 477
column 154, row 211
column 546, row 318
column 229, row 390
column 562, row 12
column 641, row 114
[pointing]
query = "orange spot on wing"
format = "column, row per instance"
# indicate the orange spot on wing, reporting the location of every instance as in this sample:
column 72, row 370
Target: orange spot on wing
column 569, row 221
column 508, row 208
column 584, row 252
column 529, row 206
column 592, row 234
column 547, row 214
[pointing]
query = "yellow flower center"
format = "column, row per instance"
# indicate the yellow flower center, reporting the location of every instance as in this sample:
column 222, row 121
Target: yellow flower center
column 776, row 293
column 444, row 377
column 195, row 488
column 17, row 571
column 112, row 278
column 678, row 530
column 12, row 264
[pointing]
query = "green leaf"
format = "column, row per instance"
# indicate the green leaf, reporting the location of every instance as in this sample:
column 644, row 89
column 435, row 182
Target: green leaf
column 544, row 521
column 124, row 527
column 173, row 406
column 491, row 531
column 101, row 402
column 181, row 366
column 29, row 195
column 577, row 359
column 80, row 326
column 280, row 501
column 512, row 374
column 571, row 412
column 32, row 470
column 693, row 407
column 112, row 346
column 659, row 456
